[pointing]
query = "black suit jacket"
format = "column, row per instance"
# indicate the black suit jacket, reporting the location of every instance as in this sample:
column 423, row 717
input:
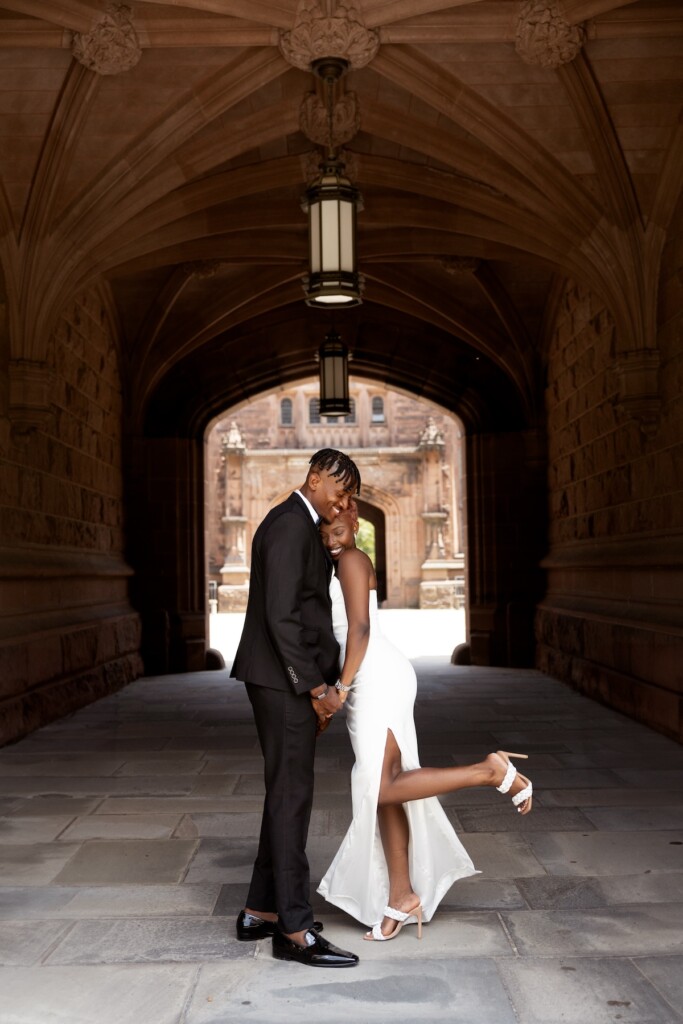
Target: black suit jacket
column 287, row 641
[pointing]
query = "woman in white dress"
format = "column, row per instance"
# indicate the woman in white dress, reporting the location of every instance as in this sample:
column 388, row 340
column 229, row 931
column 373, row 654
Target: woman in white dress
column 400, row 855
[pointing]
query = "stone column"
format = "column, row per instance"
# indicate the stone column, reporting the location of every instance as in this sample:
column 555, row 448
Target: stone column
column 439, row 569
column 167, row 550
column 506, row 528
column 234, row 590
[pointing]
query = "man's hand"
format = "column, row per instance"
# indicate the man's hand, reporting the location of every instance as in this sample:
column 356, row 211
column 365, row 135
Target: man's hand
column 321, row 725
column 325, row 708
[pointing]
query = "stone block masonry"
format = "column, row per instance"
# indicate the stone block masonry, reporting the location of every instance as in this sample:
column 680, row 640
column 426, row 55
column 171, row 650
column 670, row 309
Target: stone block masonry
column 68, row 633
column 611, row 621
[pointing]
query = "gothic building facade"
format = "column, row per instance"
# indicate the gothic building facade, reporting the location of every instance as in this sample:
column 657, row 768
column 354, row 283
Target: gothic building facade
column 410, row 456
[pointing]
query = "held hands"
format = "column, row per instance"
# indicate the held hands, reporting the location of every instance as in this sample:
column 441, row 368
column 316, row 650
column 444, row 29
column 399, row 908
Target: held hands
column 325, row 708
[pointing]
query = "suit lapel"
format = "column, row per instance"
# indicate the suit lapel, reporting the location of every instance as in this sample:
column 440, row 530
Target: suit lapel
column 301, row 505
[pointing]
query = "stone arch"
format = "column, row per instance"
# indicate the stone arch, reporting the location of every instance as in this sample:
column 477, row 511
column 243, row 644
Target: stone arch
column 411, row 467
column 503, row 450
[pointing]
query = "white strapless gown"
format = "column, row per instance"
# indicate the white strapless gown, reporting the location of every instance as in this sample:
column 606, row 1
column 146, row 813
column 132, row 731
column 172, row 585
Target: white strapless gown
column 382, row 698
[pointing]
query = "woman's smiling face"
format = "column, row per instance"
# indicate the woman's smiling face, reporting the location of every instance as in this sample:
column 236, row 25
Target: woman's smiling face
column 338, row 536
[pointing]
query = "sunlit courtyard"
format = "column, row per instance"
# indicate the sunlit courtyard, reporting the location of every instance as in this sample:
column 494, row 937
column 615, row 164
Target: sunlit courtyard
column 417, row 632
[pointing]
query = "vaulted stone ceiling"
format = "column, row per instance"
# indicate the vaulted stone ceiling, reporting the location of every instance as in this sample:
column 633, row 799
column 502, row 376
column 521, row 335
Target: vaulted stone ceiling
column 156, row 147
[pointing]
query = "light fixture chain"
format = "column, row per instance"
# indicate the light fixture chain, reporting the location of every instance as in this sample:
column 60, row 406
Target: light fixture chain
column 329, row 85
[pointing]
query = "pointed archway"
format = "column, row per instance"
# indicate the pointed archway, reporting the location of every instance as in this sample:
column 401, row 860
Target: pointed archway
column 375, row 516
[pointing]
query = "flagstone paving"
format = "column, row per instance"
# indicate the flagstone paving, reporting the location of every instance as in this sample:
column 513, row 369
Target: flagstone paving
column 127, row 832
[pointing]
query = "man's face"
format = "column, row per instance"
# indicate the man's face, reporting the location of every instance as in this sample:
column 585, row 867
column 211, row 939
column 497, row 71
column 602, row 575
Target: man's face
column 330, row 495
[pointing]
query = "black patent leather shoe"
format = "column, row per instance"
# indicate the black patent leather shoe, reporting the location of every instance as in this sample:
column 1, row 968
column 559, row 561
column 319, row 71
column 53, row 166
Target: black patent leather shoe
column 317, row 953
column 249, row 927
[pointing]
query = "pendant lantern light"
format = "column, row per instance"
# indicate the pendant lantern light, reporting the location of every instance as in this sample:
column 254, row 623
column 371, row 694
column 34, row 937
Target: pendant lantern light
column 332, row 202
column 333, row 357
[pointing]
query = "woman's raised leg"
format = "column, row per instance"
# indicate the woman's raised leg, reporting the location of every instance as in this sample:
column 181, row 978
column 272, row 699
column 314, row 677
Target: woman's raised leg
column 398, row 786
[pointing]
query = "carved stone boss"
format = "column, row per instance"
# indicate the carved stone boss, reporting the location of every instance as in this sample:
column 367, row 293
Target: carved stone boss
column 322, row 29
column 112, row 45
column 544, row 37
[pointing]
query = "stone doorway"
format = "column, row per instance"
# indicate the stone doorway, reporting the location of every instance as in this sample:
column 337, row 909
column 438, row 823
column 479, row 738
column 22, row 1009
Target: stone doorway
column 376, row 517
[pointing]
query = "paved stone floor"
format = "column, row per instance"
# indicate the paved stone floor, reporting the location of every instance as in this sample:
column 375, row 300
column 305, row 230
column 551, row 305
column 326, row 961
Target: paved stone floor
column 127, row 832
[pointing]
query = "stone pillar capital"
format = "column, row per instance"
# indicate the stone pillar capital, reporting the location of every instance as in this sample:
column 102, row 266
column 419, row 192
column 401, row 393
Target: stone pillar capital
column 638, row 395
column 30, row 395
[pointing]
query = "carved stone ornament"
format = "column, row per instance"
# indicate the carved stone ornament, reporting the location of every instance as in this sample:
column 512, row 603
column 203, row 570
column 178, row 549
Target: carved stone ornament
column 233, row 439
column 310, row 165
column 112, row 45
column 431, row 436
column 321, row 30
column 460, row 264
column 544, row 37
column 201, row 269
column 345, row 120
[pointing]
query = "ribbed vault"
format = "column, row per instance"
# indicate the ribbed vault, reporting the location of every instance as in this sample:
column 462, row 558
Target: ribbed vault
column 386, row 346
column 488, row 176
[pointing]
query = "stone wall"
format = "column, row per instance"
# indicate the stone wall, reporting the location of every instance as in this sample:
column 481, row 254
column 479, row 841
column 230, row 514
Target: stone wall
column 611, row 621
column 67, row 631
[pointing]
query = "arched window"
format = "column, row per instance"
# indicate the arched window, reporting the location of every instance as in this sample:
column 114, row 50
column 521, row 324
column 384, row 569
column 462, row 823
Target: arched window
column 286, row 412
column 377, row 409
column 351, row 415
column 314, row 410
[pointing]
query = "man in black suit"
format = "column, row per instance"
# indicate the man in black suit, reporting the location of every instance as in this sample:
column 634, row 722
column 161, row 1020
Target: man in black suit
column 288, row 658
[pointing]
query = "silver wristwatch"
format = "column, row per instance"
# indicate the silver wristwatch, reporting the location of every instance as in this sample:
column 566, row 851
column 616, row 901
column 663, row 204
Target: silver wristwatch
column 340, row 686
column 321, row 696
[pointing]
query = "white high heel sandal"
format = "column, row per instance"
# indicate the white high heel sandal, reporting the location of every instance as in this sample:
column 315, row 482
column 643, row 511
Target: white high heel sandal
column 376, row 934
column 510, row 776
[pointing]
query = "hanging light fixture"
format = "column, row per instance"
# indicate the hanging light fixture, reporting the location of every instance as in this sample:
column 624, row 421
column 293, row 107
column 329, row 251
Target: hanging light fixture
column 333, row 357
column 332, row 203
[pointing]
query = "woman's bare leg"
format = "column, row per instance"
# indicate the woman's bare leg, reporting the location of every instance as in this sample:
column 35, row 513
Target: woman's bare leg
column 394, row 831
column 398, row 787
column 395, row 835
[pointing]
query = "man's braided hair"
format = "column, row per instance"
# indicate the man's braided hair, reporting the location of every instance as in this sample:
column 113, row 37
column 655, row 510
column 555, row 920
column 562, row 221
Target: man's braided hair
column 338, row 465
